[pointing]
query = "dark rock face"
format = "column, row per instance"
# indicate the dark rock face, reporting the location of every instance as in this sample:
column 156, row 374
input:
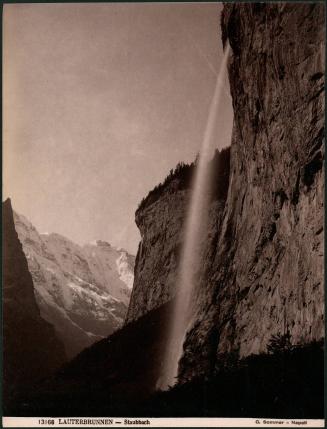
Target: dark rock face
column 263, row 267
column 160, row 225
column 31, row 349
column 160, row 219
column 267, row 272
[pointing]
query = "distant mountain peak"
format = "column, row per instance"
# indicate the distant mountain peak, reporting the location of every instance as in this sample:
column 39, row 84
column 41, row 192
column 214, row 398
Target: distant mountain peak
column 83, row 291
column 100, row 243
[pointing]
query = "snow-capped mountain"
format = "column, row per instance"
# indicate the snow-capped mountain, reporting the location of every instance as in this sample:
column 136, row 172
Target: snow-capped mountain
column 83, row 291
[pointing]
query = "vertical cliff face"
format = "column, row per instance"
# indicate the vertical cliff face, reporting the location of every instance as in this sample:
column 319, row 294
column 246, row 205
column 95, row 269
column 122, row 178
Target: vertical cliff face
column 160, row 224
column 278, row 141
column 31, row 349
column 160, row 219
column 267, row 271
column 263, row 267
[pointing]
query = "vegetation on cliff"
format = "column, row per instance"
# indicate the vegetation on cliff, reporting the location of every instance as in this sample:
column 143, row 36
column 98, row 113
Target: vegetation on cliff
column 183, row 174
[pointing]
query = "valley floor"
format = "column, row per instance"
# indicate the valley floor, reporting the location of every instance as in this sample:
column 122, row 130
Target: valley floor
column 288, row 384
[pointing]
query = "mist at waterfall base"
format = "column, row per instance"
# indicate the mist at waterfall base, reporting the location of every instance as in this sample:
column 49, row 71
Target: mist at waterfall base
column 195, row 230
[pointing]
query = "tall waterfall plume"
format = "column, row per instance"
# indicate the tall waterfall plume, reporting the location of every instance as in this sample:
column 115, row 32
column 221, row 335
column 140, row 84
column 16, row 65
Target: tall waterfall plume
column 196, row 226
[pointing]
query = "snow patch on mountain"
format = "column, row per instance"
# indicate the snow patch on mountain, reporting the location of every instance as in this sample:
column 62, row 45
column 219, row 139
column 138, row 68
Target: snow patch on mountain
column 124, row 269
column 83, row 291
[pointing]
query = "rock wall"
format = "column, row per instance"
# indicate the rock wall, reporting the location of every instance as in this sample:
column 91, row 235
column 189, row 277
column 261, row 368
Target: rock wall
column 31, row 349
column 160, row 219
column 267, row 271
column 263, row 270
column 160, row 225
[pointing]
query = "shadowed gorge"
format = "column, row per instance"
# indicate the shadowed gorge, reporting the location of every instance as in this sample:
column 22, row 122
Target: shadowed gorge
column 254, row 340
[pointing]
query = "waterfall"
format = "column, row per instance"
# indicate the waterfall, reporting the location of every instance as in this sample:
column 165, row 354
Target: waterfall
column 196, row 227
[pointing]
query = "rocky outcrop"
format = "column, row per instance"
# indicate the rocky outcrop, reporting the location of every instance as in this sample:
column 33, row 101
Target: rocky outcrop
column 83, row 291
column 267, row 271
column 160, row 225
column 160, row 219
column 31, row 349
column 263, row 268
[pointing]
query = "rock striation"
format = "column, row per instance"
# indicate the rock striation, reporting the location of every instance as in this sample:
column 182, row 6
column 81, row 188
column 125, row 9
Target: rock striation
column 31, row 348
column 266, row 277
column 83, row 291
column 160, row 225
column 263, row 268
column 160, row 219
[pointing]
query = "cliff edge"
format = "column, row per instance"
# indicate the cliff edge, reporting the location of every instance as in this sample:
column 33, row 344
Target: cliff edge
column 263, row 268
column 160, row 219
column 266, row 278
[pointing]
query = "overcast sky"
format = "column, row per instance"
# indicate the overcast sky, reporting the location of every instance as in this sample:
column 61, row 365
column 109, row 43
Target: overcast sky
column 100, row 102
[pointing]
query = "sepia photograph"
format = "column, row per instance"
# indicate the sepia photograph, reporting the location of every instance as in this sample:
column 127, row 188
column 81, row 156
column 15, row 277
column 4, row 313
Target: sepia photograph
column 163, row 214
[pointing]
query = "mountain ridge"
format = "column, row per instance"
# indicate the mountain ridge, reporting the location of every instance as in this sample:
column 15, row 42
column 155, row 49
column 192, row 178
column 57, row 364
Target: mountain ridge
column 83, row 291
